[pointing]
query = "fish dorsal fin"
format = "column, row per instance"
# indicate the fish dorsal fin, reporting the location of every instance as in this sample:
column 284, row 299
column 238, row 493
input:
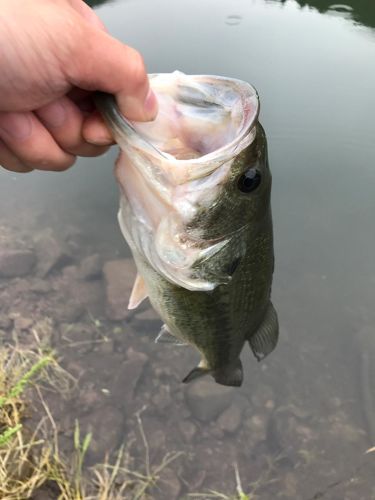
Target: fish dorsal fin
column 165, row 337
column 231, row 375
column 139, row 292
column 264, row 340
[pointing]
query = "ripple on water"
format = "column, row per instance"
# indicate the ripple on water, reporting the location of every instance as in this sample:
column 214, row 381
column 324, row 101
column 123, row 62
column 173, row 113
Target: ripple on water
column 233, row 20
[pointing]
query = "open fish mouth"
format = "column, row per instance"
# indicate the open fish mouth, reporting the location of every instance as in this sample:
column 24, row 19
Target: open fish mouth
column 202, row 121
column 176, row 166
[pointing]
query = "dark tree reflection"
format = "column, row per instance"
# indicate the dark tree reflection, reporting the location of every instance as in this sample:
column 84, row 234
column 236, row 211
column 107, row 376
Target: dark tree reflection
column 94, row 3
column 361, row 11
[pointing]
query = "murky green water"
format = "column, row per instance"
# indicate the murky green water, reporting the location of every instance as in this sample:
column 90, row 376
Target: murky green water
column 300, row 424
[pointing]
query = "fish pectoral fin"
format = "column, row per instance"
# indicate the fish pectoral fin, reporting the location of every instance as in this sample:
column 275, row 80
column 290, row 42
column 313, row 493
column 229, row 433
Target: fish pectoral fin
column 139, row 292
column 231, row 375
column 165, row 337
column 196, row 372
column 264, row 340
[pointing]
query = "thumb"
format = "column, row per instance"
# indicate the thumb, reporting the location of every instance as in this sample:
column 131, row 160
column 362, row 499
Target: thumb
column 103, row 63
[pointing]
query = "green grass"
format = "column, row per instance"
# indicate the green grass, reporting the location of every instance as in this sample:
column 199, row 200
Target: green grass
column 29, row 460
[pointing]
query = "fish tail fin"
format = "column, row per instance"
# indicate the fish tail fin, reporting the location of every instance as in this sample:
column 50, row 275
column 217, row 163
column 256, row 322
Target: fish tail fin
column 231, row 375
column 264, row 340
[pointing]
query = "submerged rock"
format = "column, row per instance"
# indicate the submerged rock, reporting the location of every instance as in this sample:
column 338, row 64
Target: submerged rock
column 169, row 486
column 66, row 312
column 39, row 285
column 51, row 253
column 15, row 263
column 128, row 375
column 5, row 322
column 230, row 419
column 90, row 267
column 119, row 276
column 207, row 400
column 21, row 323
column 107, row 427
column 188, row 430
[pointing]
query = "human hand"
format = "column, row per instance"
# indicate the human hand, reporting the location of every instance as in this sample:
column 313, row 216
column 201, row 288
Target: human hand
column 53, row 55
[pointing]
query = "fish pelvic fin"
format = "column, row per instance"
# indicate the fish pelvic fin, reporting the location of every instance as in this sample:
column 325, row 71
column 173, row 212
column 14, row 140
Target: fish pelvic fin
column 230, row 375
column 166, row 337
column 264, row 340
column 139, row 292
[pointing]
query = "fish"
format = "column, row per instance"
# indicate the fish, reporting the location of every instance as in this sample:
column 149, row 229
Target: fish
column 195, row 190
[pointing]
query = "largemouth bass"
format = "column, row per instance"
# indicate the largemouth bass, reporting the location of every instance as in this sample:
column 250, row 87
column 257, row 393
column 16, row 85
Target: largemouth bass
column 195, row 210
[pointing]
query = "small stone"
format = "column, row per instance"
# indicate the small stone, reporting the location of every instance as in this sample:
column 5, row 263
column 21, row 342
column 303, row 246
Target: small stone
column 156, row 440
column 270, row 404
column 5, row 322
column 127, row 377
column 44, row 494
column 169, row 486
column 107, row 346
column 162, row 399
column 91, row 397
column 90, row 267
column 51, row 253
column 133, row 354
column 188, row 430
column 68, row 312
column 261, row 396
column 39, row 285
column 207, row 399
column 107, row 426
column 21, row 323
column 119, row 276
column 258, row 427
column 15, row 263
column 230, row 419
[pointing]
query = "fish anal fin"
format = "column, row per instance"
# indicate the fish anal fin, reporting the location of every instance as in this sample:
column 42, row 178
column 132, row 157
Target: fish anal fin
column 230, row 375
column 139, row 292
column 166, row 337
column 195, row 373
column 264, row 340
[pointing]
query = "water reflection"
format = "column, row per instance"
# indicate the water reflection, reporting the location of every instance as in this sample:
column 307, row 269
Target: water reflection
column 361, row 11
column 95, row 3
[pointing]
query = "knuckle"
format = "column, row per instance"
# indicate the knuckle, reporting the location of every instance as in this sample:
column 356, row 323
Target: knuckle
column 10, row 162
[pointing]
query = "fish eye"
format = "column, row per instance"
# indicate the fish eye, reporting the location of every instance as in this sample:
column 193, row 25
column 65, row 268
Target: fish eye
column 249, row 181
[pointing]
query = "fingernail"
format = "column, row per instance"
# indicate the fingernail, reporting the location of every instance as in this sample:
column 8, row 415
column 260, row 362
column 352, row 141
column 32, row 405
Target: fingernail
column 53, row 115
column 100, row 141
column 151, row 105
column 133, row 109
column 99, row 137
column 15, row 126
